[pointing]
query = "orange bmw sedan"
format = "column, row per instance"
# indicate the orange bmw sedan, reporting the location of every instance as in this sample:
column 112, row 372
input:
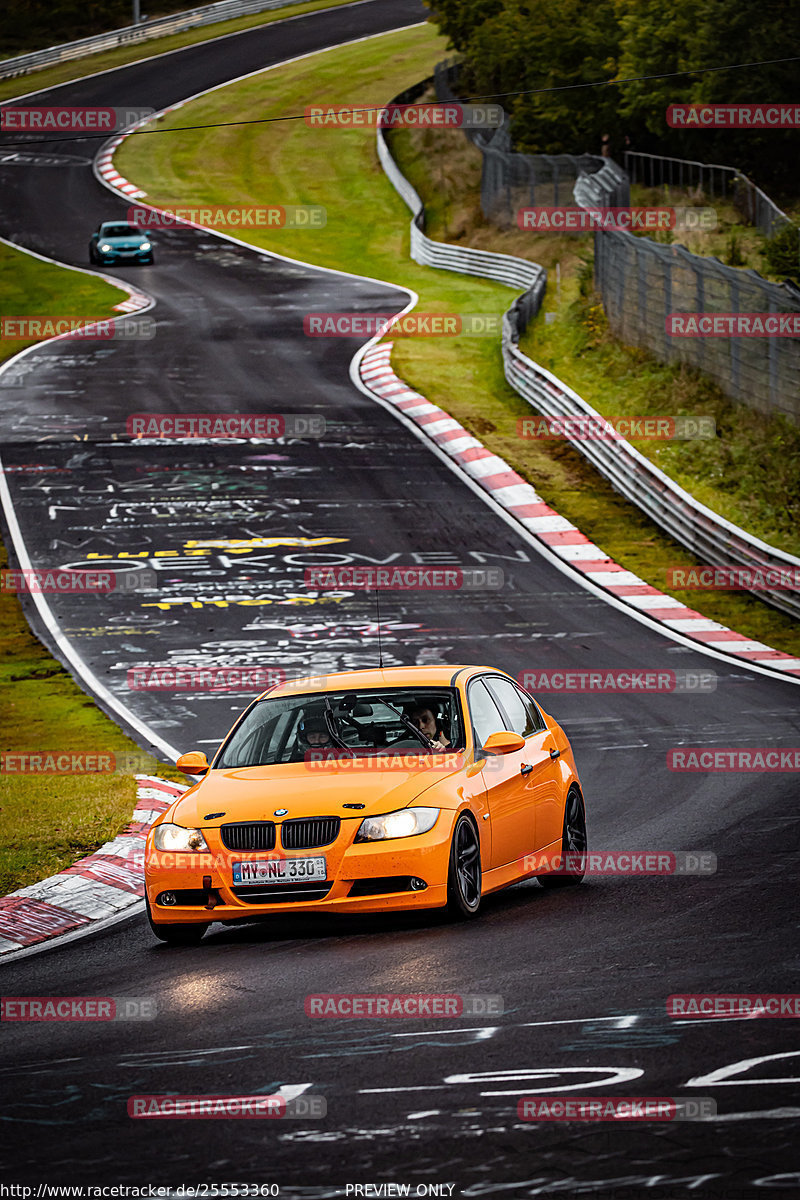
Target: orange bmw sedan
column 369, row 791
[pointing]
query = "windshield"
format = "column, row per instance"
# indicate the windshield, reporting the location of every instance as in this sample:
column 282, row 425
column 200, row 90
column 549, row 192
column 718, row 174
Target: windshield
column 290, row 728
column 120, row 231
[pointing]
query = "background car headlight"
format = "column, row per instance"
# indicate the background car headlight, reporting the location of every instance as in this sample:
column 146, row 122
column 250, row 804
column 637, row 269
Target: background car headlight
column 145, row 246
column 403, row 823
column 175, row 837
column 105, row 247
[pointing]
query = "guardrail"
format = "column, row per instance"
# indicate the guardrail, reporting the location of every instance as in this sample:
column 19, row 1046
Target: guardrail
column 714, row 540
column 23, row 64
column 504, row 268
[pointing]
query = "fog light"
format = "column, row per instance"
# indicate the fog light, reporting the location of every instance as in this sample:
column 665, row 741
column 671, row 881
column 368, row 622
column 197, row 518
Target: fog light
column 167, row 898
column 418, row 885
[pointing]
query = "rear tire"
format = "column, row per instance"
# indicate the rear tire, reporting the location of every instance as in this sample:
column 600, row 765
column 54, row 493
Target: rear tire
column 464, row 875
column 573, row 841
column 173, row 933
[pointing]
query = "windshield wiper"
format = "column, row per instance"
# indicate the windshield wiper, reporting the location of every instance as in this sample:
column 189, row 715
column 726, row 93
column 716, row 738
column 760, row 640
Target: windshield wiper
column 334, row 736
column 409, row 724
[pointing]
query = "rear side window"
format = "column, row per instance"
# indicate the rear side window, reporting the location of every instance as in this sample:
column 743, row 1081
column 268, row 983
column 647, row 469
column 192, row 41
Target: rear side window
column 521, row 712
column 537, row 720
column 486, row 717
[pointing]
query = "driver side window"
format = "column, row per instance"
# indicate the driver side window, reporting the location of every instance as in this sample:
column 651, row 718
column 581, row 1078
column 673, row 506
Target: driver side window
column 486, row 717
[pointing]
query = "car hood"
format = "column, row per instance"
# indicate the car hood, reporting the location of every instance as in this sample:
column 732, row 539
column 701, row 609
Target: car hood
column 122, row 243
column 253, row 793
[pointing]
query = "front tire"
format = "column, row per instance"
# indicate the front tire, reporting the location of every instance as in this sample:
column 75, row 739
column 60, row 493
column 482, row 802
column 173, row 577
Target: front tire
column 573, row 841
column 173, row 933
column 465, row 874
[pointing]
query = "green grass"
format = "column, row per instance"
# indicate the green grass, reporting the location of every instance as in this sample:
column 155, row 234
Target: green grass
column 48, row 822
column 367, row 232
column 108, row 59
column 33, row 288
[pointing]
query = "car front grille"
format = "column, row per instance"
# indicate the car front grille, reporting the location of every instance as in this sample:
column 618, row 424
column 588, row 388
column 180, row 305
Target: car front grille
column 251, row 835
column 310, row 832
column 281, row 893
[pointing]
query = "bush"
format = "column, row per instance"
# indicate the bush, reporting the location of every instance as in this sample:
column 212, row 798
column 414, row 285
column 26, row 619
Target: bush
column 781, row 252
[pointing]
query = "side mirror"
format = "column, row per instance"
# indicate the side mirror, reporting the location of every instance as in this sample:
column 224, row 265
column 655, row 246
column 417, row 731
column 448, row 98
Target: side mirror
column 193, row 763
column 504, row 742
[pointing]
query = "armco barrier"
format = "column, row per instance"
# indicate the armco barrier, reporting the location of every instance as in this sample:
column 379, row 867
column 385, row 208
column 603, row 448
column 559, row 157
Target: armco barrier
column 713, row 539
column 504, row 268
column 180, row 22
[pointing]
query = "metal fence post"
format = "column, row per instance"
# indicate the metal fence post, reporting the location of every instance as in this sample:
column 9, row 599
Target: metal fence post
column 735, row 347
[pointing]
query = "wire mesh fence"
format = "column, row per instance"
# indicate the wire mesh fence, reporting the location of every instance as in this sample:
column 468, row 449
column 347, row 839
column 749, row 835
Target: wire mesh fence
column 511, row 181
column 711, row 180
column 643, row 284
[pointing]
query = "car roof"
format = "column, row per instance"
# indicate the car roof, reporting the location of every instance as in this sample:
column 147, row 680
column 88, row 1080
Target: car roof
column 445, row 675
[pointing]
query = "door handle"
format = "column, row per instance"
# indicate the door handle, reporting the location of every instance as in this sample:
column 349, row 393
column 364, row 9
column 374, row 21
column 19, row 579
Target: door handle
column 554, row 754
column 525, row 769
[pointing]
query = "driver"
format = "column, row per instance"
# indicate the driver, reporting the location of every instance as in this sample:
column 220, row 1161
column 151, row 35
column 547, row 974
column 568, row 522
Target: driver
column 312, row 732
column 430, row 724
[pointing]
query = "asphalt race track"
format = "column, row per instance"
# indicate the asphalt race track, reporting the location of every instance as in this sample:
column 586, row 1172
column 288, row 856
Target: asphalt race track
column 584, row 974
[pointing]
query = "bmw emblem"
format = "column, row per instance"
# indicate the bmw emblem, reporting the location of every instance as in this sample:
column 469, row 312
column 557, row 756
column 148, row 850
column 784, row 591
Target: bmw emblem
column 280, row 812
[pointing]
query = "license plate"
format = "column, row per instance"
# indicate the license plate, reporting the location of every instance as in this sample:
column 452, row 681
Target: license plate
column 281, row 870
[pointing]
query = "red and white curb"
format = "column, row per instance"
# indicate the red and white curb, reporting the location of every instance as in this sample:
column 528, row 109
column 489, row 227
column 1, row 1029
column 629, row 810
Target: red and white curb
column 106, row 169
column 523, row 503
column 134, row 303
column 102, row 885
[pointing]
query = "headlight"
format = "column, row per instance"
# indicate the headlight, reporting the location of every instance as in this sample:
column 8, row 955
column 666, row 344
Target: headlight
column 403, row 823
column 145, row 246
column 105, row 247
column 175, row 837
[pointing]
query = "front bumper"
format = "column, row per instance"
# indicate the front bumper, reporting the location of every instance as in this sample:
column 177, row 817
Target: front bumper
column 349, row 866
column 117, row 256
